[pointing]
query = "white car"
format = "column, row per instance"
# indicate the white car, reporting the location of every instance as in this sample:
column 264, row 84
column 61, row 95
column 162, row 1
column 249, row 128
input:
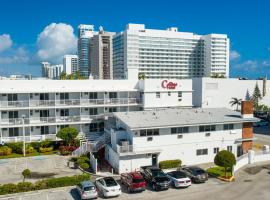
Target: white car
column 108, row 187
column 179, row 179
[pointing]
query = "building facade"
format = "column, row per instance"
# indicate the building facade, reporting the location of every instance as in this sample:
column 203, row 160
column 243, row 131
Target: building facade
column 194, row 136
column 85, row 33
column 51, row 71
column 70, row 63
column 101, row 56
column 44, row 106
column 169, row 53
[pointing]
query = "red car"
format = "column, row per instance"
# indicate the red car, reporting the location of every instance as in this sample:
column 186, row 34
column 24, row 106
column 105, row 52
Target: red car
column 134, row 181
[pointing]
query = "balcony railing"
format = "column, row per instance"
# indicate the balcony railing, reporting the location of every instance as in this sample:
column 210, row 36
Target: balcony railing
column 49, row 120
column 124, row 149
column 69, row 102
column 29, row 138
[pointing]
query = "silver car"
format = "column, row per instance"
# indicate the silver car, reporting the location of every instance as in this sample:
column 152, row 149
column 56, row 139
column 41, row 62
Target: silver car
column 87, row 190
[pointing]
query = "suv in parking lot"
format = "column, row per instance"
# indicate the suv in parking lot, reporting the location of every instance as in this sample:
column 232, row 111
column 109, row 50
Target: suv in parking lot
column 156, row 177
column 196, row 174
column 134, row 181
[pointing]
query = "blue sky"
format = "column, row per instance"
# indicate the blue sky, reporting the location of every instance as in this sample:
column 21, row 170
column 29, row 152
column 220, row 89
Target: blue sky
column 32, row 31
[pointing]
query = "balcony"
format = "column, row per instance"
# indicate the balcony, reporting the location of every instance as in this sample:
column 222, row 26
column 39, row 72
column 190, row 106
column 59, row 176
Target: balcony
column 49, row 120
column 124, row 149
column 69, row 102
column 30, row 138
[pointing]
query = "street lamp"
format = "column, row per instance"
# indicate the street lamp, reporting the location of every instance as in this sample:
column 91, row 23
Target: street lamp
column 23, row 117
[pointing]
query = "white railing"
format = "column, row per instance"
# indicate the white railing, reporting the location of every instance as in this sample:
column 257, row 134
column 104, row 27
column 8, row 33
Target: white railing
column 124, row 149
column 49, row 120
column 68, row 102
column 29, row 138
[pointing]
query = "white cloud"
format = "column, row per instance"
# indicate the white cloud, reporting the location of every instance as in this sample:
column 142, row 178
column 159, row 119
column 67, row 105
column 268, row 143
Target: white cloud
column 18, row 56
column 266, row 63
column 234, row 55
column 5, row 42
column 249, row 65
column 55, row 41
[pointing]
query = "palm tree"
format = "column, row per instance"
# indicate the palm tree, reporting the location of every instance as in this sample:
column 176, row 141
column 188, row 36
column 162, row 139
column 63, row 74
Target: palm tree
column 236, row 102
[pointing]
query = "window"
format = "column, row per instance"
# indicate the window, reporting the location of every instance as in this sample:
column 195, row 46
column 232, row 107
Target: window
column 96, row 127
column 64, row 112
column 216, row 150
column 177, row 130
column 207, row 128
column 64, row 96
column 13, row 132
column 158, row 95
column 113, row 109
column 92, row 95
column 149, row 132
column 44, row 130
column 228, row 126
column 229, row 148
column 112, row 95
column 93, row 111
column 149, row 139
column 202, row 152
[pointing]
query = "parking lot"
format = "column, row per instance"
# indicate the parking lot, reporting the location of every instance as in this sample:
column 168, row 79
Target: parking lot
column 247, row 186
column 41, row 166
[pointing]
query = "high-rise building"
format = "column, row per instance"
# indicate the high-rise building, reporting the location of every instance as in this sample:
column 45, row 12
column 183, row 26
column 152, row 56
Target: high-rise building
column 70, row 63
column 169, row 53
column 101, row 64
column 44, row 68
column 51, row 71
column 85, row 32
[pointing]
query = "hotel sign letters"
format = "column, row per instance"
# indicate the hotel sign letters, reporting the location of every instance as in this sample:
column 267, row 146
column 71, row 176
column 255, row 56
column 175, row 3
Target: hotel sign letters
column 168, row 85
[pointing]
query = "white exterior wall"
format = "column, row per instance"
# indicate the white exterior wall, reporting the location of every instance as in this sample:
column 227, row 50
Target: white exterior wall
column 216, row 92
column 168, row 97
column 185, row 148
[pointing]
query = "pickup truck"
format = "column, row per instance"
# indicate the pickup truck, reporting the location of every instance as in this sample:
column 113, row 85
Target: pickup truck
column 134, row 181
column 156, row 177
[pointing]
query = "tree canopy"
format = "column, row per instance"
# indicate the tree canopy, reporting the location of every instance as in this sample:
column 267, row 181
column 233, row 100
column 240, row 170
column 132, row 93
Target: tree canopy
column 257, row 96
column 225, row 159
column 68, row 135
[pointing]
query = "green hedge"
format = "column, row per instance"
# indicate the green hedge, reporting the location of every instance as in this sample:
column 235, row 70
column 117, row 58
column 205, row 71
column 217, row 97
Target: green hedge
column 43, row 184
column 167, row 164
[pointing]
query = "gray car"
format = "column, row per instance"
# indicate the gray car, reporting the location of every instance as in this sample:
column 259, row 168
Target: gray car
column 196, row 174
column 87, row 190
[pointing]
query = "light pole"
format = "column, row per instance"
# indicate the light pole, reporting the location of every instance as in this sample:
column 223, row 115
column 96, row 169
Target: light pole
column 23, row 116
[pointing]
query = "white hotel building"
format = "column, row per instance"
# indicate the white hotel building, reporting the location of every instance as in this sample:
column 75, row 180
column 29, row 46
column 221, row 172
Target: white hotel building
column 169, row 53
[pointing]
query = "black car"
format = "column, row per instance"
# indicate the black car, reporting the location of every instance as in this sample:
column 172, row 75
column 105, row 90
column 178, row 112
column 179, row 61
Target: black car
column 196, row 174
column 156, row 177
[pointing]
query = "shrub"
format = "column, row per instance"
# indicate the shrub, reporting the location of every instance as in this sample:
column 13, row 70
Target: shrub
column 167, row 164
column 35, row 145
column 5, row 151
column 8, row 188
column 24, row 186
column 46, row 144
column 45, row 149
column 74, row 159
column 65, row 150
column 225, row 159
column 81, row 160
column 43, row 184
column 29, row 149
column 84, row 166
column 16, row 147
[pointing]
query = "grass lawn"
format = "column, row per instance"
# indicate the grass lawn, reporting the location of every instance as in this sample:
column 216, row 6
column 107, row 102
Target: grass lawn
column 218, row 171
column 15, row 155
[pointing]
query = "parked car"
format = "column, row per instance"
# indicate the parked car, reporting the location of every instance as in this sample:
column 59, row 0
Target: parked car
column 87, row 190
column 261, row 123
column 108, row 187
column 134, row 181
column 196, row 174
column 156, row 177
column 179, row 179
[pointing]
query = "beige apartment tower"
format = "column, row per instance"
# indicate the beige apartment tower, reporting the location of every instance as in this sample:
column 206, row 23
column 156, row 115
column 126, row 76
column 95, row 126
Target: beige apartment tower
column 101, row 60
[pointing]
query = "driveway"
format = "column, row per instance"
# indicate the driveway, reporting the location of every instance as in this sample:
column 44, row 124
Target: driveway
column 40, row 166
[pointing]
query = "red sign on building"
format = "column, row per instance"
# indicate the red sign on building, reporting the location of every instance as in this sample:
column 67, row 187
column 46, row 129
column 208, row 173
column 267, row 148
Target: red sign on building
column 168, row 85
